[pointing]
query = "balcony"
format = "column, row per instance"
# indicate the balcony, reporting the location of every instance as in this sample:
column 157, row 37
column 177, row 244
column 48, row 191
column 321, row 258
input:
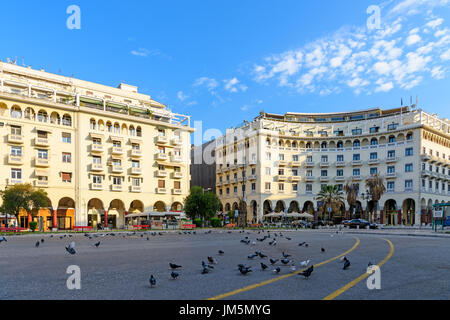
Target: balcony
column 177, row 142
column 295, row 164
column 178, row 175
column 282, row 163
column 309, row 164
column 15, row 181
column 340, row 178
column 373, row 161
column 161, row 140
column 176, row 158
column 15, row 160
column 161, row 190
column 176, row 191
column 97, row 167
column 116, row 169
column 136, row 153
column 391, row 175
column 281, row 178
column 357, row 178
column 324, row 178
column 97, row 148
column 41, row 162
column 391, row 159
column 136, row 171
column 41, row 183
column 340, row 164
column 324, row 164
column 41, row 142
column 96, row 186
column 15, row 138
column 310, row 178
column 252, row 177
column 296, row 178
column 116, row 187
column 136, row 189
column 356, row 162
column 425, row 157
column 117, row 150
column 162, row 156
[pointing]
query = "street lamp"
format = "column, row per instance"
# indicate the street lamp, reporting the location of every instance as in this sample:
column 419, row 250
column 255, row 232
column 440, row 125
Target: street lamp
column 366, row 196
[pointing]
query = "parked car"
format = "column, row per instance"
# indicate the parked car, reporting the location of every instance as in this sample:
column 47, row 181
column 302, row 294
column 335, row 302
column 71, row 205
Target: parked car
column 361, row 223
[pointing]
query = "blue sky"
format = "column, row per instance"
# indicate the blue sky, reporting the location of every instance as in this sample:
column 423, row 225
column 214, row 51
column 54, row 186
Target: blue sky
column 223, row 62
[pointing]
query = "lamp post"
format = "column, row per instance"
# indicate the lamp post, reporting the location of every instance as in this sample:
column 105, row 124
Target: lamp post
column 366, row 196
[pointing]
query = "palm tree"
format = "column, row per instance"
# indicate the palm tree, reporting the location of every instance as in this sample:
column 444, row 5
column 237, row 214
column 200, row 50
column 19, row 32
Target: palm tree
column 375, row 185
column 351, row 189
column 331, row 197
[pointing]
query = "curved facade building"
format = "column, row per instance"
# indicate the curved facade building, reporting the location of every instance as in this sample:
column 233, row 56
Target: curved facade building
column 278, row 163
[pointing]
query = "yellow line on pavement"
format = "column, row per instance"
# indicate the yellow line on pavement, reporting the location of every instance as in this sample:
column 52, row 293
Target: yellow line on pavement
column 362, row 277
column 254, row 286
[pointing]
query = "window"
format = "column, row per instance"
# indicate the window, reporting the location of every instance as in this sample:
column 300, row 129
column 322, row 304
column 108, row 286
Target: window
column 295, row 158
column 267, row 185
column 281, row 172
column 281, row 186
column 281, row 157
column 16, row 174
column 16, row 151
column 117, row 144
column 161, row 150
column 408, row 152
column 373, row 171
column 16, row 130
column 42, row 134
column 117, row 181
column 356, row 157
column 67, row 120
column 97, row 160
column 42, row 154
column 324, row 173
column 356, row 132
column 253, row 186
column 392, row 126
column 309, row 173
column 392, row 139
column 268, row 156
column 374, row 129
column 294, row 187
column 409, row 136
column 324, row 159
column 96, row 179
column 161, row 183
column 391, row 154
column 253, row 171
column 135, row 146
column 235, row 189
column 66, row 177
column 408, row 184
column 135, row 164
column 268, row 171
column 177, row 185
column 356, row 172
column 66, row 157
column 390, row 186
column 309, row 188
column 356, row 143
column 309, row 159
column 373, row 142
column 96, row 141
column 409, row 167
column 373, row 156
column 16, row 112
column 340, row 144
column 340, row 173
column 66, row 138
column 391, row 169
column 294, row 172
column 340, row 158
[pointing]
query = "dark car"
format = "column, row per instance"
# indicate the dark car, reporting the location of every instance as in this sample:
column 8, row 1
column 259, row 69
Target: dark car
column 363, row 224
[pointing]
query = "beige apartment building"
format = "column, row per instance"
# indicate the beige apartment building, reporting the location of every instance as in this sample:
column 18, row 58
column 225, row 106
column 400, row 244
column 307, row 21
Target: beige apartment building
column 102, row 154
column 278, row 163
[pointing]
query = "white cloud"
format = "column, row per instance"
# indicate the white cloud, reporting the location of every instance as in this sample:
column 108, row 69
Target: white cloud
column 384, row 87
column 446, row 55
column 412, row 39
column 181, row 96
column 209, row 83
column 234, row 85
column 435, row 23
column 437, row 73
column 141, row 52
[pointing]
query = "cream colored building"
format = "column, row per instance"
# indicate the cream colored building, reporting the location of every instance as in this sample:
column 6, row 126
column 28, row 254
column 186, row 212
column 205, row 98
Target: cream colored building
column 278, row 163
column 96, row 150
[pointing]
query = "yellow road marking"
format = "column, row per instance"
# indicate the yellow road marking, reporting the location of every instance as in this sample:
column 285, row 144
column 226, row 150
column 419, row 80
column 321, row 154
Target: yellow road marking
column 254, row 286
column 362, row 277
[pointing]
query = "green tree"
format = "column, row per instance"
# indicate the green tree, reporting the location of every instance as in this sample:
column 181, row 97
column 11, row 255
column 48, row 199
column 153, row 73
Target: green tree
column 331, row 197
column 201, row 205
column 351, row 189
column 23, row 196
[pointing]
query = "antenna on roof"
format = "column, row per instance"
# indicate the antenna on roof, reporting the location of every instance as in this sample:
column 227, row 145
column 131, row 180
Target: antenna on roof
column 401, row 102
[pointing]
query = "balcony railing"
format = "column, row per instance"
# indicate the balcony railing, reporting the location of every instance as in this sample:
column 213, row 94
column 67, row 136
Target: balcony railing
column 136, row 171
column 136, row 189
column 176, row 158
column 116, row 169
column 96, row 167
column 296, row 163
column 15, row 138
column 41, row 183
column 391, row 159
column 98, row 148
column 15, row 159
column 42, row 162
column 116, row 187
column 310, row 178
column 161, row 190
column 136, row 153
column 177, row 175
column 96, row 186
column 161, row 156
column 42, row 142
column 177, row 142
column 161, row 139
column 176, row 191
column 161, row 174
column 117, row 150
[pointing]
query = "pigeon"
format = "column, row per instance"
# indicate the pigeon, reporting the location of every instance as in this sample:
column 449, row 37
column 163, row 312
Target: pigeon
column 37, row 244
column 97, row 244
column 221, row 252
column 277, row 270
column 305, row 263
column 152, row 281
column 207, row 265
column 212, row 260
column 322, row 249
column 287, row 238
column 263, row 266
column 286, row 255
column 205, row 270
column 343, row 258
column 307, row 272
column 245, row 270
column 370, row 264
column 285, row 261
column 262, row 256
column 174, row 275
column 252, row 256
column 42, row 240
column 272, row 261
column 346, row 264
column 293, row 268
column 301, row 244
column 174, row 266
column 148, row 239
column 3, row 239
column 253, row 243
column 71, row 248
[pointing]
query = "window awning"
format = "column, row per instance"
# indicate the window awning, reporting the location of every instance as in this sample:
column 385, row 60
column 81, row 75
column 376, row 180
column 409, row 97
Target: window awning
column 117, row 105
column 91, row 101
column 140, row 111
column 41, row 173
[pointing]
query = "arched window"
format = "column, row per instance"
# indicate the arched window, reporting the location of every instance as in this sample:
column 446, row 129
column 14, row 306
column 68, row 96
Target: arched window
column 132, row 131
column 294, row 144
column 29, row 114
column 139, row 132
column 67, row 120
column 323, row 145
column 109, row 126
column 373, row 142
column 392, row 139
column 356, row 143
column 308, row 145
column 340, row 144
column 16, row 112
column 116, row 128
column 42, row 116
column 409, row 136
column 93, row 125
column 55, row 118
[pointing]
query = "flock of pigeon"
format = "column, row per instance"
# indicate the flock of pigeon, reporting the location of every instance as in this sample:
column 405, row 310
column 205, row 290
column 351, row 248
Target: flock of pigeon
column 207, row 267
